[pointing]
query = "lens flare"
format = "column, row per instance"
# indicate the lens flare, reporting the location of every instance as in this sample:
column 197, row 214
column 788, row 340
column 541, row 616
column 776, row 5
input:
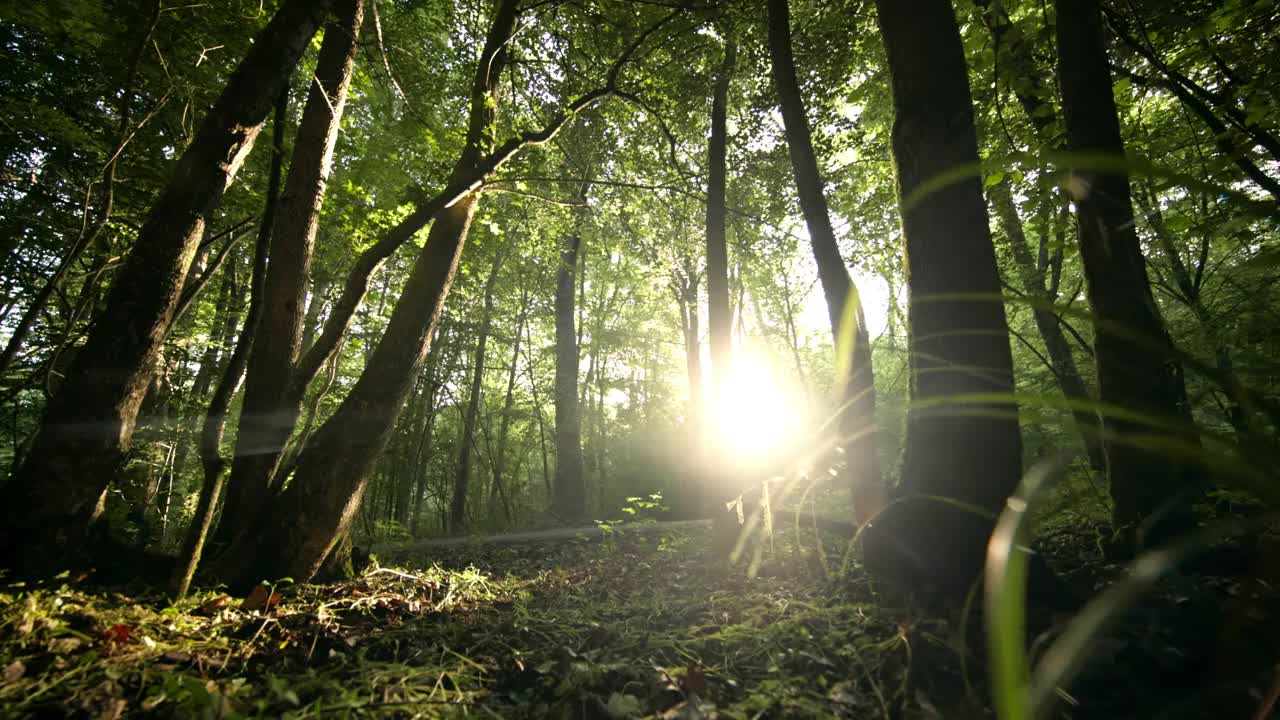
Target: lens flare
column 755, row 415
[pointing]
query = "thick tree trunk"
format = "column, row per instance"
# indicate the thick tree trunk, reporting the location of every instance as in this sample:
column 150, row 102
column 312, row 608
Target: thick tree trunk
column 317, row 508
column 857, row 416
column 957, row 446
column 271, row 402
column 1137, row 371
column 462, row 477
column 55, row 497
column 215, row 420
column 570, row 488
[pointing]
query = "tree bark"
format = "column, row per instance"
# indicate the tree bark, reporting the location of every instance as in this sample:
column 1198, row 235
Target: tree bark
column 1137, row 371
column 857, row 415
column 462, row 478
column 719, row 311
column 317, row 507
column 961, row 443
column 1061, row 360
column 569, row 488
column 215, row 420
column 55, row 497
column 271, row 402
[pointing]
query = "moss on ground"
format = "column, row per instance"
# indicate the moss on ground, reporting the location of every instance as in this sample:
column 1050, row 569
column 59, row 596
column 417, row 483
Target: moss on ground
column 635, row 626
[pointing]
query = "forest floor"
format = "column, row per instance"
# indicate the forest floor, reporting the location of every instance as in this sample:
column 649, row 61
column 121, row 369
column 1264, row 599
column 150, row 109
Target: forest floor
column 630, row 625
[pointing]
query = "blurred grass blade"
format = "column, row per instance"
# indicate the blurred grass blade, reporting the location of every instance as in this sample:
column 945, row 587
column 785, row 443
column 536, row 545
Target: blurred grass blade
column 1008, row 560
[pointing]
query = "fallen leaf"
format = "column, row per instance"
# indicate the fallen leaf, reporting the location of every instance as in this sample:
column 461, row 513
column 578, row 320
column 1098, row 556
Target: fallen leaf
column 260, row 598
column 211, row 607
column 14, row 671
column 117, row 633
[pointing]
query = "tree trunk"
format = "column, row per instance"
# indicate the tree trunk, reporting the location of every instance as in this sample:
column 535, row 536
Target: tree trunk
column 317, row 507
column 271, row 406
column 719, row 311
column 848, row 327
column 1061, row 361
column 462, row 478
column 1137, row 371
column 569, row 489
column 55, row 497
column 686, row 291
column 537, row 414
column 508, row 402
column 1189, row 293
column 957, row 446
column 215, row 420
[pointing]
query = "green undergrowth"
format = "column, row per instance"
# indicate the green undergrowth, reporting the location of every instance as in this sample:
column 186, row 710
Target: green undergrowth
column 653, row 625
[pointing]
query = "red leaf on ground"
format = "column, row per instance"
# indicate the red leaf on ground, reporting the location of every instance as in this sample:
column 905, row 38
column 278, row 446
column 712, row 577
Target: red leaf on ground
column 116, row 633
column 260, row 598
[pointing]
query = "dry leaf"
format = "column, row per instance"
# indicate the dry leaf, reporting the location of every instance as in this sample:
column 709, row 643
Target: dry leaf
column 260, row 598
column 14, row 671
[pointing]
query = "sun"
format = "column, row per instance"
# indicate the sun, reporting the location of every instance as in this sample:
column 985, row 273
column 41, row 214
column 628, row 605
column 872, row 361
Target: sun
column 755, row 416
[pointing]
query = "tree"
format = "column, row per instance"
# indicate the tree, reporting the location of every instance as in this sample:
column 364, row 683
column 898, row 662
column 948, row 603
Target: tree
column 272, row 402
column 56, row 496
column 569, row 487
column 857, row 417
column 462, row 479
column 215, row 420
column 333, row 471
column 963, row 443
column 1137, row 367
column 719, row 312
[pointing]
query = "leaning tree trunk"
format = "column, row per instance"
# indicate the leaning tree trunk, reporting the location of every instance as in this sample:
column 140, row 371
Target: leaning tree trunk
column 56, row 496
column 215, row 420
column 271, row 407
column 1061, row 360
column 317, row 508
column 569, row 492
column 857, row 414
column 1137, row 371
column 462, row 478
column 962, row 441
